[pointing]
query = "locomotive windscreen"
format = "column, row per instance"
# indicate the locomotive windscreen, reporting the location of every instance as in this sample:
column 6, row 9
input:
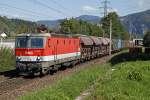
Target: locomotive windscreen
column 32, row 42
column 21, row 42
column 36, row 42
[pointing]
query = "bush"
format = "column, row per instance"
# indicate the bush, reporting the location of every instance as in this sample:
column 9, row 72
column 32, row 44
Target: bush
column 7, row 59
column 134, row 75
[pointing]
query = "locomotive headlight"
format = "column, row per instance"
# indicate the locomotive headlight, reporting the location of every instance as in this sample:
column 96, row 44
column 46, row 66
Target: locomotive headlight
column 18, row 58
column 38, row 58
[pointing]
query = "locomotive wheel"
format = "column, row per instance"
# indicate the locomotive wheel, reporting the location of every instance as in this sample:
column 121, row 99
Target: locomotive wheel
column 63, row 67
column 43, row 72
column 37, row 74
column 72, row 64
column 55, row 68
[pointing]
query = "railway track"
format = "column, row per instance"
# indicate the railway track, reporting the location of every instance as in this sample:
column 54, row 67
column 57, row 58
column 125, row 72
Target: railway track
column 10, row 89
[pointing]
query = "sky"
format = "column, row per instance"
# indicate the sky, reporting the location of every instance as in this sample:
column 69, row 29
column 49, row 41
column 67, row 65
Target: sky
column 35, row 10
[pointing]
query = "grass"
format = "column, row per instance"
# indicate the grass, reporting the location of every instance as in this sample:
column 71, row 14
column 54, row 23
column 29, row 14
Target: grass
column 7, row 59
column 70, row 87
column 129, row 81
column 126, row 79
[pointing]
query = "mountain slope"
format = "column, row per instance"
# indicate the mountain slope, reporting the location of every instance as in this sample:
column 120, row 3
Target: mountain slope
column 89, row 18
column 137, row 23
column 50, row 23
column 56, row 23
column 11, row 26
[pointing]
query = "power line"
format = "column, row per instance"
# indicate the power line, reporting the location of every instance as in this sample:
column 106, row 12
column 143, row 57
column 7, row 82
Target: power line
column 47, row 6
column 58, row 4
column 29, row 14
column 24, row 10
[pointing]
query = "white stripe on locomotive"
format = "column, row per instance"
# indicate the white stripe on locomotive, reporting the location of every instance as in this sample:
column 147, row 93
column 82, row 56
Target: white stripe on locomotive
column 48, row 58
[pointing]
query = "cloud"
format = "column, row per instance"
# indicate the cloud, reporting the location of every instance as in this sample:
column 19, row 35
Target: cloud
column 89, row 8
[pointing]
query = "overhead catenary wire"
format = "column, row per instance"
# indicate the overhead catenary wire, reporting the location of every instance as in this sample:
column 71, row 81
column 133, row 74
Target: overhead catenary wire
column 25, row 13
column 63, row 7
column 47, row 6
column 3, row 13
column 55, row 2
column 29, row 12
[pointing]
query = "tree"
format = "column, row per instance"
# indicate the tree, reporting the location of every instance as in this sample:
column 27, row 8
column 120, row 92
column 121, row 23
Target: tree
column 16, row 26
column 118, row 31
column 146, row 39
column 80, row 27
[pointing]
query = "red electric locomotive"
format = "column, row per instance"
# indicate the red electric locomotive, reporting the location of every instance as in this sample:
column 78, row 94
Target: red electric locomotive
column 38, row 53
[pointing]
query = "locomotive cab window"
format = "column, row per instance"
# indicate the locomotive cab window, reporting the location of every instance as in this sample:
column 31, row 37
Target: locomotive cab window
column 21, row 42
column 37, row 43
column 29, row 42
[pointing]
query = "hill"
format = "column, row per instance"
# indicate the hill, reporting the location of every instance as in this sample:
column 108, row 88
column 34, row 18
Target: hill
column 137, row 22
column 12, row 26
column 56, row 23
column 50, row 23
column 89, row 18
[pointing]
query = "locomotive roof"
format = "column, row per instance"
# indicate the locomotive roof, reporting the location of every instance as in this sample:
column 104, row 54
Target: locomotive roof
column 46, row 35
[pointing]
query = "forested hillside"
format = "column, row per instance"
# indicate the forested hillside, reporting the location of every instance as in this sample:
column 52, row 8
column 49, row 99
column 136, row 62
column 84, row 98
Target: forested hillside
column 16, row 26
column 82, row 27
column 118, row 30
column 137, row 23
column 72, row 25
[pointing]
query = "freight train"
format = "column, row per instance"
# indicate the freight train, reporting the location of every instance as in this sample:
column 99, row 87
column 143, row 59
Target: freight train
column 41, row 53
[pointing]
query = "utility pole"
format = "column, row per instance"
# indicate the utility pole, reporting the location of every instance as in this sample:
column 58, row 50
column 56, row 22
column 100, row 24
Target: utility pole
column 105, row 7
column 110, row 36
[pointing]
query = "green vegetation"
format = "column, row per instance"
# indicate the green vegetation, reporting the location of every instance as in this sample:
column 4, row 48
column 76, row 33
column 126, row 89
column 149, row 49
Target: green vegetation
column 80, row 27
column 146, row 39
column 16, row 26
column 126, row 79
column 70, row 87
column 129, row 80
column 7, row 59
column 118, row 31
